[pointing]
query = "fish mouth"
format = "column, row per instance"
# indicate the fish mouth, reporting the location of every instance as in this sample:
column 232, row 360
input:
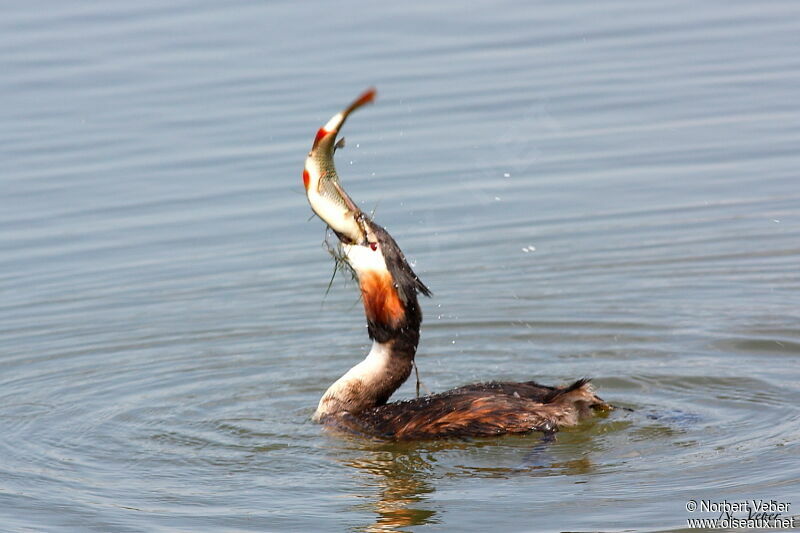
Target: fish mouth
column 348, row 240
column 358, row 232
column 341, row 214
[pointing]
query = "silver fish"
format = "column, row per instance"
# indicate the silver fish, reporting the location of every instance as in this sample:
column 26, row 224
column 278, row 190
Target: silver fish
column 323, row 189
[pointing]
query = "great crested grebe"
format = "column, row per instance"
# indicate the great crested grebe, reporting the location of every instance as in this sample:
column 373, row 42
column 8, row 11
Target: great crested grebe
column 357, row 402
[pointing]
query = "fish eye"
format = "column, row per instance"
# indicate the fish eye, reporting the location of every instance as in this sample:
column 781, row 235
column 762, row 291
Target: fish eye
column 373, row 245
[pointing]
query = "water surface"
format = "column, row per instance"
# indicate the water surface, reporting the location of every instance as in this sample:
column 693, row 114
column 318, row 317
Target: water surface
column 606, row 190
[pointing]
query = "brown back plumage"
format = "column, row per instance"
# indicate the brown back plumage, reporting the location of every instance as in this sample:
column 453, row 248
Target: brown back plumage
column 478, row 410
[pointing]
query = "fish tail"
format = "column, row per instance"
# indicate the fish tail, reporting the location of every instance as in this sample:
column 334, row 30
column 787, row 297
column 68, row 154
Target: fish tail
column 335, row 123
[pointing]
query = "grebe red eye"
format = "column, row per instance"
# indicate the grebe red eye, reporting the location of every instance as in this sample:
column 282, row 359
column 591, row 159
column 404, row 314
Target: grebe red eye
column 373, row 245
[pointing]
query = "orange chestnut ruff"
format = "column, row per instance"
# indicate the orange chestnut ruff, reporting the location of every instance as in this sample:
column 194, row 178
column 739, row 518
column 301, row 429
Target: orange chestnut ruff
column 382, row 305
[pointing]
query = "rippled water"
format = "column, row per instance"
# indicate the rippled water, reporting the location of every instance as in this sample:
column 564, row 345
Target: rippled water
column 606, row 190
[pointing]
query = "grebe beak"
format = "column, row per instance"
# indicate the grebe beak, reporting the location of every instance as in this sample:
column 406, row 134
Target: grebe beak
column 358, row 232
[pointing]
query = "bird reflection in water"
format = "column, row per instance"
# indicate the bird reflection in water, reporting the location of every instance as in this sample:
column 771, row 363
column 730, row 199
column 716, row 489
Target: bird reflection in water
column 402, row 477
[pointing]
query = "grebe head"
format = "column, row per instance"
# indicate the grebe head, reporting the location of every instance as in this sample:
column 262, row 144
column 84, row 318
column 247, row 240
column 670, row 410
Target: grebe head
column 388, row 285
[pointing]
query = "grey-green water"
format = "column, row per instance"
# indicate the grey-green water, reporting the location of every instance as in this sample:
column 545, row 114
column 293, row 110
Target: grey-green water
column 606, row 189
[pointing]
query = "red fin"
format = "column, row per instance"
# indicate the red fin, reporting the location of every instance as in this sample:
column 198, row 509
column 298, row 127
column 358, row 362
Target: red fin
column 366, row 97
column 320, row 135
column 306, row 179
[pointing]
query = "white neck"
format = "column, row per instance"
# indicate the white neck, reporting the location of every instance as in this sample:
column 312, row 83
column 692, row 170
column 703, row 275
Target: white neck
column 367, row 384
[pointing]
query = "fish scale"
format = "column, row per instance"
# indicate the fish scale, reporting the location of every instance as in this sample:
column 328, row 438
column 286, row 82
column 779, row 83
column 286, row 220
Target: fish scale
column 323, row 188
